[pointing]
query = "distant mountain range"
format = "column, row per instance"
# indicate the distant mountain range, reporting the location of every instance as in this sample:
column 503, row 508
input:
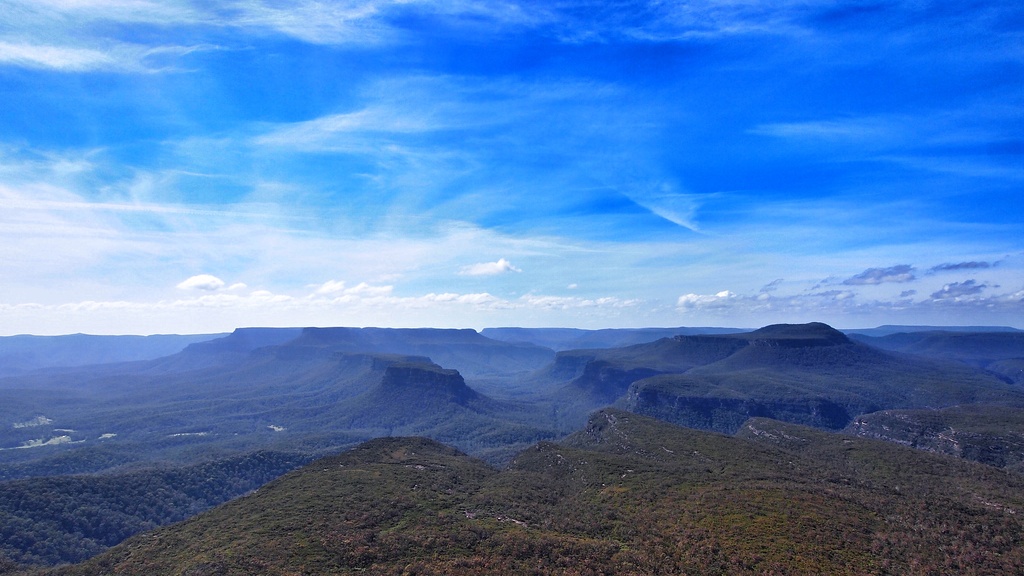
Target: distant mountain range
column 304, row 393
column 573, row 338
column 809, row 374
column 21, row 354
column 889, row 329
column 997, row 352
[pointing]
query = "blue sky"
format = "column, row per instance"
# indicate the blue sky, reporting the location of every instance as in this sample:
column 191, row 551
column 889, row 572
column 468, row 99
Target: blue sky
column 195, row 166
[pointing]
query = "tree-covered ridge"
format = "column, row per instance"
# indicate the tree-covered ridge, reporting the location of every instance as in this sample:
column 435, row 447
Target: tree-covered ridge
column 59, row 519
column 627, row 495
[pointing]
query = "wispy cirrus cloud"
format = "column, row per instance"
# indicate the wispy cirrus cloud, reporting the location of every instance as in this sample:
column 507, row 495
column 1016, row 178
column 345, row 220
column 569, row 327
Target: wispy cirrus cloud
column 348, row 22
column 349, row 132
column 960, row 141
column 59, row 58
column 369, row 22
column 411, row 105
column 113, row 57
column 128, row 11
column 664, row 201
column 409, row 136
column 652, row 21
column 862, row 130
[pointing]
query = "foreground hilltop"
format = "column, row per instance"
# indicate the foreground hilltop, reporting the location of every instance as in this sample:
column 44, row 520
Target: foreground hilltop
column 626, row 495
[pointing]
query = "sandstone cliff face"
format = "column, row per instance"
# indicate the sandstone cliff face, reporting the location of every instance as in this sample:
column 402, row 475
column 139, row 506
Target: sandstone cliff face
column 427, row 381
column 726, row 414
column 946, row 432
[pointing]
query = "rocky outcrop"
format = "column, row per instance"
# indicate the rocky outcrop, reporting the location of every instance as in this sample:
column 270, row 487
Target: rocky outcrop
column 959, row 432
column 726, row 414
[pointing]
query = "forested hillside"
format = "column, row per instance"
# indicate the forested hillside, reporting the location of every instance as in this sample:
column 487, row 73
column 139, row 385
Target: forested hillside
column 59, row 519
column 627, row 495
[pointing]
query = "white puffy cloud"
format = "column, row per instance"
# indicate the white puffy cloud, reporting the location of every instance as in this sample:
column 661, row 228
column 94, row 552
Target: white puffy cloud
column 365, row 290
column 205, row 282
column 489, row 268
column 331, row 287
column 691, row 301
column 481, row 299
column 570, row 302
column 338, row 290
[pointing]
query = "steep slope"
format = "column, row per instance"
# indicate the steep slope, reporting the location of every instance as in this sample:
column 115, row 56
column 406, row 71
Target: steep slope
column 627, row 495
column 378, row 504
column 409, row 389
column 580, row 381
column 666, row 355
column 231, row 349
column 1012, row 370
column 992, row 435
column 423, row 399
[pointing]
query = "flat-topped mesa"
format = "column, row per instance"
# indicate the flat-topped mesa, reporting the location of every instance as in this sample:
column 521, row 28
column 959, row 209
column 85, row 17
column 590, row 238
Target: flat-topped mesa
column 383, row 338
column 419, row 379
column 246, row 340
column 797, row 335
